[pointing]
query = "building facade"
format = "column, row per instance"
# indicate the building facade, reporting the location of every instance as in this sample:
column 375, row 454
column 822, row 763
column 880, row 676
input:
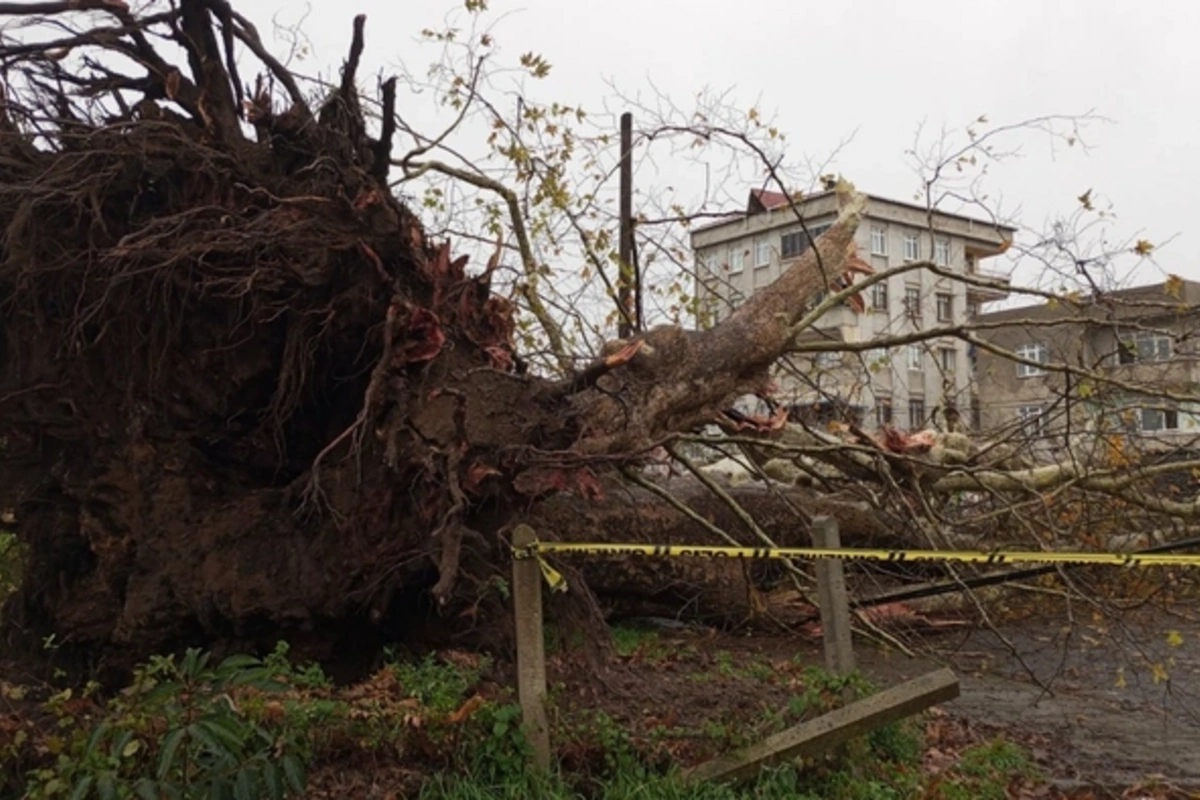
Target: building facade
column 1139, row 345
column 905, row 386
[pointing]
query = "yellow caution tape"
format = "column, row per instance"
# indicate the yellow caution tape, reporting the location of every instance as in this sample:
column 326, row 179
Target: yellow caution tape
column 554, row 578
column 538, row 549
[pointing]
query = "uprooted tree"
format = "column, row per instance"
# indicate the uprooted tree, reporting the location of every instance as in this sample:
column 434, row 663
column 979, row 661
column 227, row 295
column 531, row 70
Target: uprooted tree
column 244, row 393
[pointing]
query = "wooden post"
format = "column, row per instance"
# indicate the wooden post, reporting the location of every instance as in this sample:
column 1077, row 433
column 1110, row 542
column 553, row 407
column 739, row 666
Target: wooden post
column 531, row 648
column 626, row 279
column 819, row 735
column 835, row 604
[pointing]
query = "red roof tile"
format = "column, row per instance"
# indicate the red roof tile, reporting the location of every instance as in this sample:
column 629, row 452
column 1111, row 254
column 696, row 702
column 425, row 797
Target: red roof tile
column 764, row 200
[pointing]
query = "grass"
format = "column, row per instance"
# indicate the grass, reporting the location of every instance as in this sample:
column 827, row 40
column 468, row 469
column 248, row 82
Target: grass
column 439, row 686
column 10, row 565
column 643, row 645
column 269, row 727
column 984, row 772
column 885, row 765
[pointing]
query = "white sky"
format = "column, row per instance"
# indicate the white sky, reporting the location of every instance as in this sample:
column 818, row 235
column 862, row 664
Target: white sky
column 874, row 70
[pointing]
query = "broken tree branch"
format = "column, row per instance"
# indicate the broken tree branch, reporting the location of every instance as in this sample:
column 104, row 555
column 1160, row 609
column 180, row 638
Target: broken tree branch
column 383, row 148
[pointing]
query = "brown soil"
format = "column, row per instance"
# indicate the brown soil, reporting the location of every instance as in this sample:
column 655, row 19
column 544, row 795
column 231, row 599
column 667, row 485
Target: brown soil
column 1101, row 731
column 1088, row 734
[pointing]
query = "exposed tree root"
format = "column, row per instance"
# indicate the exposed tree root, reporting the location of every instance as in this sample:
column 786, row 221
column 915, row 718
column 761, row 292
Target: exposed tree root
column 245, row 397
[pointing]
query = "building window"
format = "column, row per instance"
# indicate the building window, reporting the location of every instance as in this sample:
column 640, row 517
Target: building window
column 912, row 304
column 827, row 359
column 916, row 358
column 883, row 411
column 878, row 242
column 737, row 260
column 876, row 359
column 792, row 244
column 945, row 307
column 916, row 413
column 976, row 413
column 1032, row 352
column 912, row 247
column 879, row 297
column 972, row 309
column 1158, row 419
column 948, row 357
column 1033, row 420
column 762, row 253
column 1144, row 346
column 941, row 252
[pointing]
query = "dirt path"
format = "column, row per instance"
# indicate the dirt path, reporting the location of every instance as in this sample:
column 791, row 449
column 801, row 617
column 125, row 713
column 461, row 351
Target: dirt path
column 1106, row 713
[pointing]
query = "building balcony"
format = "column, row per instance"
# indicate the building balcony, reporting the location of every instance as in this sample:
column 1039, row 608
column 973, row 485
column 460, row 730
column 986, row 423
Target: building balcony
column 985, row 294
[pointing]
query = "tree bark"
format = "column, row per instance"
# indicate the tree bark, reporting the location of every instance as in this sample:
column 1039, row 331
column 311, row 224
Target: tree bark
column 717, row 591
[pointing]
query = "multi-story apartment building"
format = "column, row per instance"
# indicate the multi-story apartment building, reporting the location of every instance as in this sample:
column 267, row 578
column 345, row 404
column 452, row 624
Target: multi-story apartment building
column 903, row 385
column 1136, row 354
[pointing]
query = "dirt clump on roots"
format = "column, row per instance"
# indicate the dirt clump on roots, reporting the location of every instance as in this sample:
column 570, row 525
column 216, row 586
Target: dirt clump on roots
column 231, row 375
column 243, row 396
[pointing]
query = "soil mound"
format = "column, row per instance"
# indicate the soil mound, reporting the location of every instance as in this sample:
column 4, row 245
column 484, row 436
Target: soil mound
column 226, row 353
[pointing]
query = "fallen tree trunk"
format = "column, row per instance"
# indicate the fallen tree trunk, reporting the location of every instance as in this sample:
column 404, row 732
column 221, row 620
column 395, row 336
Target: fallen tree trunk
column 242, row 396
column 715, row 591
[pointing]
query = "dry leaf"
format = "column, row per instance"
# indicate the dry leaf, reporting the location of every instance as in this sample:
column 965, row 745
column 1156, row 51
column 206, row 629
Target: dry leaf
column 465, row 711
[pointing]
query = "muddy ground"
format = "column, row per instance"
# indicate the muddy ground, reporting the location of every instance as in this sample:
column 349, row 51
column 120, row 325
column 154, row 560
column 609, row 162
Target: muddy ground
column 1103, row 706
column 1115, row 706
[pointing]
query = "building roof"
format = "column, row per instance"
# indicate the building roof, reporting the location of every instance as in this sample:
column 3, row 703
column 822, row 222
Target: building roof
column 762, row 200
column 1148, row 300
column 765, row 200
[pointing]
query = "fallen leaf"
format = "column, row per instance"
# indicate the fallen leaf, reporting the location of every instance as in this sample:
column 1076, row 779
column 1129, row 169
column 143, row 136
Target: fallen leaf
column 1158, row 673
column 465, row 711
column 461, row 659
column 624, row 355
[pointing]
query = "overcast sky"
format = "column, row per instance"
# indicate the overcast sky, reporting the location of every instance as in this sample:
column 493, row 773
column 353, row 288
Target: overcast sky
column 875, row 71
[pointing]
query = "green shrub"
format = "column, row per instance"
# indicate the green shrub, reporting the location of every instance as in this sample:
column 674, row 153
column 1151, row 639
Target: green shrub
column 11, row 564
column 492, row 761
column 303, row 676
column 985, row 771
column 248, row 729
column 438, row 685
column 176, row 733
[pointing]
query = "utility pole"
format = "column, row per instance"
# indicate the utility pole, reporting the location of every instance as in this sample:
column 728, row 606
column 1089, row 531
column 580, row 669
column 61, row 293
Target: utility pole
column 627, row 278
